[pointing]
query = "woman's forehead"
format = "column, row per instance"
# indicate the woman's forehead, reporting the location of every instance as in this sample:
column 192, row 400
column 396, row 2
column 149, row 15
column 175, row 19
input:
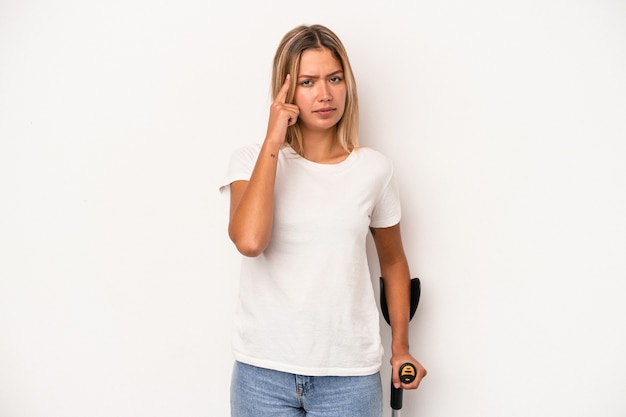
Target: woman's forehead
column 318, row 60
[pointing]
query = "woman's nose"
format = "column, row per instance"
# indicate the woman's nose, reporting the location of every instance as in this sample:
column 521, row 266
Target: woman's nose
column 324, row 93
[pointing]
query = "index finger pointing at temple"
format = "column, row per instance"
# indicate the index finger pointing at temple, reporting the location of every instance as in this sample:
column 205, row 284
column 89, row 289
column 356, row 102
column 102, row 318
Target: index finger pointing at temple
column 281, row 97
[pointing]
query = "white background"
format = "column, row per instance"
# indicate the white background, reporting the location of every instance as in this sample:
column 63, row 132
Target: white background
column 507, row 125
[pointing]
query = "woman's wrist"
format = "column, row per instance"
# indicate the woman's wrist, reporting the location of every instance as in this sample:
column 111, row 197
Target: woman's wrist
column 399, row 348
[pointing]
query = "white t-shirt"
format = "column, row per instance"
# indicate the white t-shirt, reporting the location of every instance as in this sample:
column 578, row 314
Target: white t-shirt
column 306, row 304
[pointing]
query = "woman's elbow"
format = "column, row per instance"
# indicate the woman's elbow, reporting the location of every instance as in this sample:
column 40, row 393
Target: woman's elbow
column 248, row 245
column 249, row 250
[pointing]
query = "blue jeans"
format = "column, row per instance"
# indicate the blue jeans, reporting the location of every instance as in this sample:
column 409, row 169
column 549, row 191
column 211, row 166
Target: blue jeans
column 259, row 392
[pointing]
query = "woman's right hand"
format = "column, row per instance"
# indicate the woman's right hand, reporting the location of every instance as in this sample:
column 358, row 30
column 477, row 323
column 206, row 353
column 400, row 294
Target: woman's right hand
column 282, row 115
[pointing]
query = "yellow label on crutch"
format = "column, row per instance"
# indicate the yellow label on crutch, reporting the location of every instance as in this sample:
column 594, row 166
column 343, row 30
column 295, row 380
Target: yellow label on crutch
column 407, row 373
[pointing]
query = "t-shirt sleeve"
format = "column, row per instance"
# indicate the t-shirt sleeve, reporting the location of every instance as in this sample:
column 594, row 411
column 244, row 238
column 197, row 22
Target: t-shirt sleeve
column 387, row 210
column 240, row 167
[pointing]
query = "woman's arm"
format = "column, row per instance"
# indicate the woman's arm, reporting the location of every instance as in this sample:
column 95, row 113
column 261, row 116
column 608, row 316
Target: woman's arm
column 252, row 202
column 394, row 269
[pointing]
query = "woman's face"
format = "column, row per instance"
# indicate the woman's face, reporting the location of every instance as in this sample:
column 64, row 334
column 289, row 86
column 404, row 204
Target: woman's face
column 320, row 90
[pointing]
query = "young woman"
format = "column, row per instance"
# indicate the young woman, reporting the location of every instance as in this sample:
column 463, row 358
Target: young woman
column 307, row 339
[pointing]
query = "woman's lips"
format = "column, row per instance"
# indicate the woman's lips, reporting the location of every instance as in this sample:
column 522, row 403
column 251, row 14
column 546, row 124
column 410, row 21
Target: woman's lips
column 325, row 112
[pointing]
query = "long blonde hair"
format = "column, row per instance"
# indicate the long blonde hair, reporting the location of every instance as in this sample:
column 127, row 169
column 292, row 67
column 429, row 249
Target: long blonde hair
column 287, row 61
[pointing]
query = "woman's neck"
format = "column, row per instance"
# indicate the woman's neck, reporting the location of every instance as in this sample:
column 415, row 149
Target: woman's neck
column 323, row 148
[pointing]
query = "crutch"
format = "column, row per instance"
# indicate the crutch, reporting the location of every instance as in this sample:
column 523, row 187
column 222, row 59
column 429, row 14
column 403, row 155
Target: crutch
column 407, row 371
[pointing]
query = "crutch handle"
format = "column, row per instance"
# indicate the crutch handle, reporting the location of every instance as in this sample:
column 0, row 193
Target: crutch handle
column 407, row 373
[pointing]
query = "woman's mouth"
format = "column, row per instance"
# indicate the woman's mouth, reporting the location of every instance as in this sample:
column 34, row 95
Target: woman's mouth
column 326, row 111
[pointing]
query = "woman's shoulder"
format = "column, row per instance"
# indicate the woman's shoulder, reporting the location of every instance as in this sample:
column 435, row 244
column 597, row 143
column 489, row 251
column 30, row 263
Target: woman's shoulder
column 245, row 154
column 247, row 149
column 371, row 155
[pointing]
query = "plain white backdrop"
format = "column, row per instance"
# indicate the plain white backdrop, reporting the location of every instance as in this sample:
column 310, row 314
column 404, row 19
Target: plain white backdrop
column 506, row 121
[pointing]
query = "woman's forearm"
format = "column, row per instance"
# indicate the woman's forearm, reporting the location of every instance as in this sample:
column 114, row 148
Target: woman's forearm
column 252, row 208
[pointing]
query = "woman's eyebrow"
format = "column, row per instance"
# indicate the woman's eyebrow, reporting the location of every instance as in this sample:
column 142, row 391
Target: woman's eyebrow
column 315, row 76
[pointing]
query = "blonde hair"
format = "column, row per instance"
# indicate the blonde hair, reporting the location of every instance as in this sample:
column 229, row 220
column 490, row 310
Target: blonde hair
column 287, row 61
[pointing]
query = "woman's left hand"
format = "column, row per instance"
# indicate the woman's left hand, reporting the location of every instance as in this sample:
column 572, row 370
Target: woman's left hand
column 397, row 361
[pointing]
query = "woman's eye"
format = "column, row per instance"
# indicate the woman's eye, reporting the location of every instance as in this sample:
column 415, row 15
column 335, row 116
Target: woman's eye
column 335, row 79
column 306, row 83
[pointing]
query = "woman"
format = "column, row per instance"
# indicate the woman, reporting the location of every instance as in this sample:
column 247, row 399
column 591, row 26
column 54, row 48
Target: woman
column 307, row 339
